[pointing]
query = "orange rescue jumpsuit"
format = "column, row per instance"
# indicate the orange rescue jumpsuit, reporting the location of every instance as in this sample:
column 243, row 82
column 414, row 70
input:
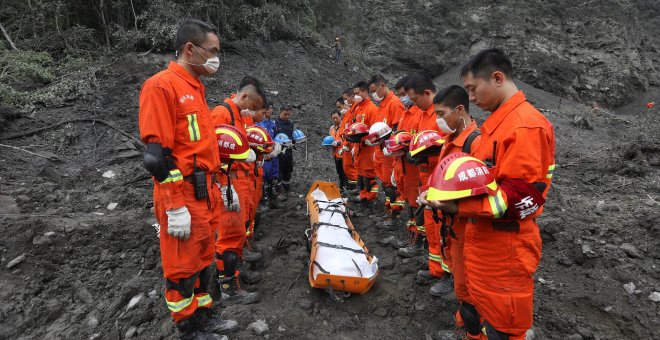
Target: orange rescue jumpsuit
column 389, row 112
column 410, row 190
column 231, row 234
column 453, row 248
column 365, row 112
column 174, row 114
column 500, row 260
column 348, row 163
column 431, row 228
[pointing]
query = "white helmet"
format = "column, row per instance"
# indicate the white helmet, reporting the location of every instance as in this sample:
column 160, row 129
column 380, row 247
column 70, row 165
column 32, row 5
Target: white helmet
column 378, row 133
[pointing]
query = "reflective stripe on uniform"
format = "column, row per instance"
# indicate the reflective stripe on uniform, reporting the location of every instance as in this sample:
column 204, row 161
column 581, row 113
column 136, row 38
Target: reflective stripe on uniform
column 551, row 171
column 179, row 305
column 434, row 257
column 175, row 175
column 204, row 300
column 445, row 267
column 421, row 228
column 193, row 127
column 374, row 188
column 497, row 204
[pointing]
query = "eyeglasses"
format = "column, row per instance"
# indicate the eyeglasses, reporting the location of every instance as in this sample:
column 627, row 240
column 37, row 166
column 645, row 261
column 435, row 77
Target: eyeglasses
column 215, row 52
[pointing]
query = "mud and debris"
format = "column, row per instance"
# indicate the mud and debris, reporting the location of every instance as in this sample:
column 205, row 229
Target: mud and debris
column 80, row 256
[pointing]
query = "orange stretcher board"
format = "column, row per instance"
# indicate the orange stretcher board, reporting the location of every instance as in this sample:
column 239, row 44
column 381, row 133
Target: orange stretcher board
column 324, row 279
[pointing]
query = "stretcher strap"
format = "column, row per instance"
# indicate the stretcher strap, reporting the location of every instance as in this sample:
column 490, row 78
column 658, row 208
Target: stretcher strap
column 338, row 246
column 325, row 224
column 357, row 267
column 320, row 268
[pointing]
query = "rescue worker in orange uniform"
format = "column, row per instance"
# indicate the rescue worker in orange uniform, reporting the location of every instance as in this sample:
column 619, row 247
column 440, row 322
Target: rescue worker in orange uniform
column 410, row 122
column 453, row 118
column 348, row 162
column 502, row 242
column 422, row 91
column 237, row 111
column 398, row 161
column 175, row 125
column 365, row 112
column 335, row 133
column 390, row 110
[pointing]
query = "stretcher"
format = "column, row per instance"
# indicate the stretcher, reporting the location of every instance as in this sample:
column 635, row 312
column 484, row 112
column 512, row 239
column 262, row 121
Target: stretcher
column 339, row 260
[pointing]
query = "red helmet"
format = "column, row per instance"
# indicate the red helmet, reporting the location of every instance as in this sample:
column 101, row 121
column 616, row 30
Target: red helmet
column 232, row 142
column 460, row 175
column 427, row 142
column 398, row 141
column 357, row 132
column 259, row 139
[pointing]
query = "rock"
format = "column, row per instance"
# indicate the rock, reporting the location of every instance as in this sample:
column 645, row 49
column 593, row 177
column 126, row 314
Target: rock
column 92, row 318
column 655, row 297
column 95, row 336
column 629, row 287
column 420, row 306
column 16, row 261
column 112, row 206
column 153, row 294
column 131, row 332
column 281, row 328
column 382, row 312
column 529, row 335
column 42, row 240
column 305, row 304
column 446, row 335
column 427, row 337
column 134, row 301
column 259, row 327
column 83, row 294
column 574, row 336
column 8, row 205
column 608, row 308
column 582, row 123
column 631, row 250
column 387, row 240
column 386, row 263
column 109, row 174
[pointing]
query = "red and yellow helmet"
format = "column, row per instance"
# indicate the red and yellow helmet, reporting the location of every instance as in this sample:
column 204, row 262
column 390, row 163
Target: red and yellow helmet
column 398, row 141
column 357, row 132
column 425, row 143
column 460, row 175
column 232, row 142
column 259, row 139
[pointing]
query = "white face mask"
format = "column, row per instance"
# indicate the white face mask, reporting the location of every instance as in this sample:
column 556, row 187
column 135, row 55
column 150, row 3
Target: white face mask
column 442, row 123
column 343, row 111
column 375, row 97
column 211, row 65
column 358, row 99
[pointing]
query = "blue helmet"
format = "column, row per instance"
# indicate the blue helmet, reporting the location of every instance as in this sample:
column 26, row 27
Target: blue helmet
column 327, row 141
column 299, row 136
column 282, row 139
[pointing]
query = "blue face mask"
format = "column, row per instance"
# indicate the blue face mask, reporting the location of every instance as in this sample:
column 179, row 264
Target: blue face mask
column 407, row 102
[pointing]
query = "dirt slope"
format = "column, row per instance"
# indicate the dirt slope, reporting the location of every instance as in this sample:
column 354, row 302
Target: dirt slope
column 83, row 263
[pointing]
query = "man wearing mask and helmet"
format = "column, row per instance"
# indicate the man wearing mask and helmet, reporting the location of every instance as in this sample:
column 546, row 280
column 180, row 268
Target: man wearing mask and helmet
column 182, row 155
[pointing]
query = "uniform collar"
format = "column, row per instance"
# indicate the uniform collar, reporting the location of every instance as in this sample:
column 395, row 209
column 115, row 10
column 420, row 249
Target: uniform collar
column 181, row 72
column 388, row 98
column 460, row 139
column 503, row 111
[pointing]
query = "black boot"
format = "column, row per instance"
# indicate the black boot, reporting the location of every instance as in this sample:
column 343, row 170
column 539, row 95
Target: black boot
column 270, row 194
column 232, row 293
column 189, row 329
column 444, row 286
column 212, row 324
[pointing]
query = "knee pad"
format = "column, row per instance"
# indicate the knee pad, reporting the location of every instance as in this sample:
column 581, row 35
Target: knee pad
column 231, row 261
column 470, row 318
column 204, row 279
column 494, row 334
column 185, row 286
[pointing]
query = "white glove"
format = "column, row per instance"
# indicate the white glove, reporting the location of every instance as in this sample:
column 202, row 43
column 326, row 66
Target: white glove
column 385, row 152
column 252, row 156
column 178, row 223
column 235, row 204
column 392, row 179
column 353, row 152
column 335, row 143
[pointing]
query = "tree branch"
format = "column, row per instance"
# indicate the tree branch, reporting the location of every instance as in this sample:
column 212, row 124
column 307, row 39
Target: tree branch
column 11, row 43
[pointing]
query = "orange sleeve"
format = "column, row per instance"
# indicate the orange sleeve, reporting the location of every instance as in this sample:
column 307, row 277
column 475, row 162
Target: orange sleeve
column 528, row 155
column 396, row 112
column 220, row 115
column 157, row 121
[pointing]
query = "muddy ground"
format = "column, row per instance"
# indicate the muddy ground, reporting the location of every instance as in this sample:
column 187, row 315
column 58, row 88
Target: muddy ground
column 82, row 263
